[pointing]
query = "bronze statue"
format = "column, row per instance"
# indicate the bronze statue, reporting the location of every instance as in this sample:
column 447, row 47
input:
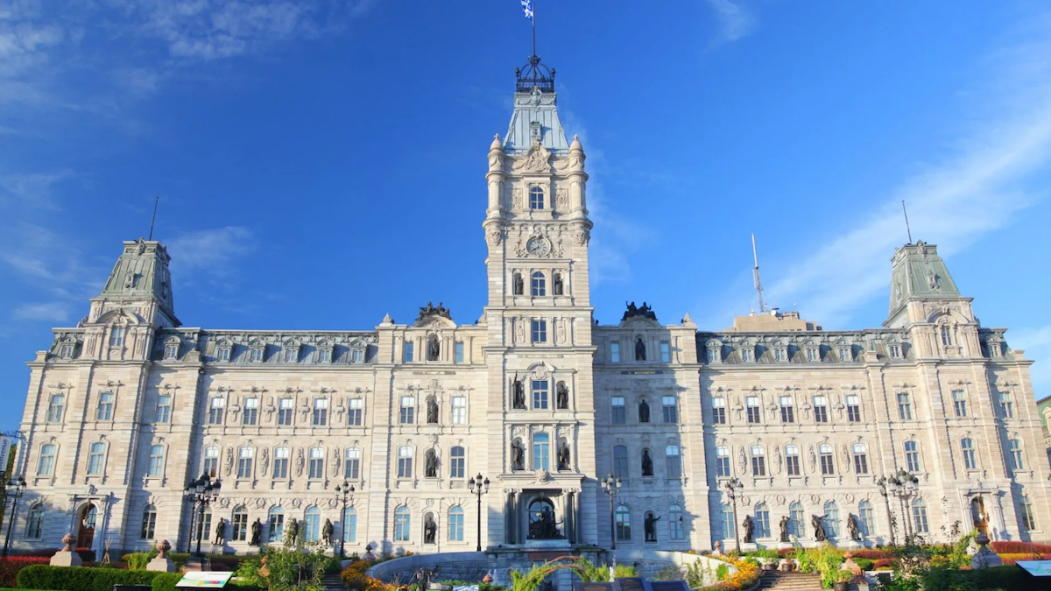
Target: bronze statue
column 647, row 463
column 563, row 456
column 517, row 456
column 518, row 399
column 257, row 533
column 749, row 529
column 650, row 527
column 562, row 396
column 519, row 285
column 640, row 350
column 430, row 310
column 432, row 411
column 819, row 528
column 434, row 349
column 430, row 530
column 557, row 284
column 544, row 527
column 327, row 532
column 852, row 527
column 431, row 468
column 645, row 311
column 220, row 532
column 291, row 532
column 784, row 528
column 644, row 412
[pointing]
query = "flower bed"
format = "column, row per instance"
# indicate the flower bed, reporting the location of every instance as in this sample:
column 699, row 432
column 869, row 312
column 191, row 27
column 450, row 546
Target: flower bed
column 746, row 577
column 1012, row 558
column 10, row 566
column 1019, row 548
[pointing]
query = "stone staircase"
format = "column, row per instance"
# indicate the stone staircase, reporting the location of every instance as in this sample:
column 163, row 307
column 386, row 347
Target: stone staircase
column 790, row 581
column 332, row 582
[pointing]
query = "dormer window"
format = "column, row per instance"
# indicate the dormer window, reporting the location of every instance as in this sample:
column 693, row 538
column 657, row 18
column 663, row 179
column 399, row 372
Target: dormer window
column 845, row 353
column 536, row 198
column 291, row 352
column 715, row 354
column 324, row 352
column 811, row 353
column 780, row 353
column 747, row 353
column 357, row 351
column 223, row 352
column 171, row 349
column 895, row 351
column 257, row 352
column 65, row 351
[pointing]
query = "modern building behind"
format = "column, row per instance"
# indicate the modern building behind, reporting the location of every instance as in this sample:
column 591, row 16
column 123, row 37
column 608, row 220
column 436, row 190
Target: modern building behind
column 130, row 405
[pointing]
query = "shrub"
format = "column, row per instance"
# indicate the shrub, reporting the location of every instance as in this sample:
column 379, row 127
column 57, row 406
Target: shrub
column 1010, row 559
column 59, row 578
column 871, row 554
column 883, row 564
column 747, row 574
column 10, row 566
column 1009, row 578
column 167, row 582
column 1019, row 548
column 864, row 563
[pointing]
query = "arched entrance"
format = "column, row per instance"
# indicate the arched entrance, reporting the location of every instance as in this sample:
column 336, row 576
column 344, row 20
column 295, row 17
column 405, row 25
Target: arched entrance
column 87, row 519
column 542, row 524
column 979, row 516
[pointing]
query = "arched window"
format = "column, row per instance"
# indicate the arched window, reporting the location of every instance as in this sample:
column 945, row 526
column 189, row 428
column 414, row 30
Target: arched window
column 970, row 460
column 676, row 524
column 541, row 451
column 312, row 527
column 457, row 462
column 456, row 524
column 46, row 464
column 405, row 461
column 536, row 198
column 673, row 461
column 620, row 461
column 832, row 519
column 762, row 521
column 796, row 520
column 622, row 517
column 866, row 518
column 156, row 466
column 402, row 524
column 350, row 525
column 96, row 458
column 35, row 521
column 1015, row 447
column 919, row 517
column 149, row 522
column 275, row 520
column 240, row 523
column 538, row 284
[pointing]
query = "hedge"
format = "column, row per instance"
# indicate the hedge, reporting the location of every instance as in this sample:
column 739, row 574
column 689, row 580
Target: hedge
column 1008, row 578
column 167, row 582
column 10, row 566
column 1002, row 547
column 86, row 554
column 64, row 578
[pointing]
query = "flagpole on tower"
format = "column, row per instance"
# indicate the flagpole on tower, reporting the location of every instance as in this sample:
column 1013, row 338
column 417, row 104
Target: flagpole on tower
column 532, row 20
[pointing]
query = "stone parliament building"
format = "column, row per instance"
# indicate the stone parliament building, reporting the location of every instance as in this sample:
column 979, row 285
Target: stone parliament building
column 129, row 406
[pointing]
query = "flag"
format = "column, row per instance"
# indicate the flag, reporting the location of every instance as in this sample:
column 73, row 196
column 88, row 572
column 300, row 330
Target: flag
column 527, row 8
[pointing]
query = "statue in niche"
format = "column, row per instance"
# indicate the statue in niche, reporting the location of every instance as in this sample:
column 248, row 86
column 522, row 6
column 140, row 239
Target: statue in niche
column 556, row 284
column 784, row 528
column 647, row 463
column 519, row 285
column 650, row 527
column 644, row 412
column 819, row 528
column 257, row 533
column 563, row 456
column 562, row 396
column 517, row 455
column 852, row 527
column 431, row 470
column 749, row 529
column 434, row 349
column 542, row 524
column 640, row 350
column 291, row 532
column 432, row 411
column 518, row 398
column 430, row 530
column 327, row 531
column 220, row 532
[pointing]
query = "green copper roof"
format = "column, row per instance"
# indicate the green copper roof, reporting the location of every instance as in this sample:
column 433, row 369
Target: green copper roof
column 919, row 273
column 535, row 115
column 141, row 273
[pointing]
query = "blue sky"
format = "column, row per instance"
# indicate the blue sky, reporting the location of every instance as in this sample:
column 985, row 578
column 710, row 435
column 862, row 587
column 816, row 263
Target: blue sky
column 322, row 163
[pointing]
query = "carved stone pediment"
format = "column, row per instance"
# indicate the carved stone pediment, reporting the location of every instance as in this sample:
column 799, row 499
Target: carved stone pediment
column 537, row 160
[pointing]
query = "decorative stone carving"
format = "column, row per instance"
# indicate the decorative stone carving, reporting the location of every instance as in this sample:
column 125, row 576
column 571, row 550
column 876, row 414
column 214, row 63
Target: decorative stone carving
column 301, row 461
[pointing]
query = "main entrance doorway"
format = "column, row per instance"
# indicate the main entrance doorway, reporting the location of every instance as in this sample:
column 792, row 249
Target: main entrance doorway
column 86, row 531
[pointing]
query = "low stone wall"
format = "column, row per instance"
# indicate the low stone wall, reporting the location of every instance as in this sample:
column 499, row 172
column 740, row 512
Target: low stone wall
column 648, row 563
column 447, row 566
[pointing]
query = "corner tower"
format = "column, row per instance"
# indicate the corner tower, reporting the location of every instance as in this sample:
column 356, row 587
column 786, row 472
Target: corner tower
column 539, row 319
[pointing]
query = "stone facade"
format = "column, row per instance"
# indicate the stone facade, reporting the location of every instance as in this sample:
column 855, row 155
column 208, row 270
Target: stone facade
column 129, row 406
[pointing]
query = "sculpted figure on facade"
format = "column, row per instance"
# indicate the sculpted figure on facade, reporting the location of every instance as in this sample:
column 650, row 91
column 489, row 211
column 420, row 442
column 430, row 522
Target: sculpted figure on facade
column 431, row 464
column 749, row 529
column 518, row 394
column 562, row 396
column 517, row 455
column 647, row 463
column 257, row 533
column 563, row 456
column 817, row 523
column 220, row 532
column 650, row 527
column 784, row 528
column 852, row 527
column 644, row 411
column 327, row 531
column 432, row 410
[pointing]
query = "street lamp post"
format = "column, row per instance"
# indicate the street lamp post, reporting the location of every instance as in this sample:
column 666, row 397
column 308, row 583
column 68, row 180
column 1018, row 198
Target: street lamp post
column 344, row 492
column 611, row 486
column 15, row 488
column 884, row 485
column 202, row 492
column 733, row 487
column 906, row 487
column 479, row 486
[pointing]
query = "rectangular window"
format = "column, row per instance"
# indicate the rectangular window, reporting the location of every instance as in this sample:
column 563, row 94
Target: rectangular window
column 358, row 356
column 407, row 355
column 281, row 462
column 105, row 411
column 223, row 354
column 946, row 336
column 244, row 462
column 788, row 412
column 317, row 463
column 540, row 394
column 1006, row 405
column 719, row 410
column 673, row 461
column 820, row 409
column 1017, row 461
column 211, row 461
column 758, row 461
column 215, row 411
column 457, row 463
column 116, row 336
column 853, row 409
column 620, row 461
column 284, row 411
column 456, row 526
column 670, row 408
column 320, row 418
column 665, row 352
column 407, row 412
column 904, row 407
column 355, row 411
column 959, row 403
column 324, row 356
column 404, row 462
column 861, row 462
column 541, row 452
column 539, row 331
column 620, row 415
column 752, row 404
column 352, row 464
column 825, row 455
column 156, row 466
column 458, row 352
column 912, row 456
column 779, row 354
column 459, row 410
column 722, row 462
column 350, row 526
column 256, row 355
column 746, row 354
column 895, row 351
column 729, row 526
column 164, row 408
column 96, row 458
column 792, row 460
column 251, row 412
column 714, row 355
column 291, row 355
column 55, row 408
column 614, row 352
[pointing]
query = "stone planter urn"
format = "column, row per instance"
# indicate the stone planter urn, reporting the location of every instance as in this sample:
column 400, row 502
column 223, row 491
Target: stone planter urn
column 984, row 557
column 67, row 556
column 161, row 562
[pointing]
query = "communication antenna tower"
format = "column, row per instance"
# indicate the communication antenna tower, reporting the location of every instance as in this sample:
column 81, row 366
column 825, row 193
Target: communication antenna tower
column 757, row 280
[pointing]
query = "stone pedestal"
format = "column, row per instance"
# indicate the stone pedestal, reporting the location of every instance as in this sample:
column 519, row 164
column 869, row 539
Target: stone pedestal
column 66, row 556
column 161, row 562
column 984, row 557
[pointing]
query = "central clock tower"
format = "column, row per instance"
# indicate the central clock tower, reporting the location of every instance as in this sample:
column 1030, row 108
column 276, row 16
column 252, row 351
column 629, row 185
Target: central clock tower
column 539, row 320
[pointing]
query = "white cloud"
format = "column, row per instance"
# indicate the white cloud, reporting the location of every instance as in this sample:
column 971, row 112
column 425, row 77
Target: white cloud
column 53, row 312
column 736, row 21
column 31, row 189
column 210, row 252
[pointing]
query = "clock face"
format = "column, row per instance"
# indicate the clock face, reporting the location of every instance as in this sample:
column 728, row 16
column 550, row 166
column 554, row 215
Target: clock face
column 538, row 246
